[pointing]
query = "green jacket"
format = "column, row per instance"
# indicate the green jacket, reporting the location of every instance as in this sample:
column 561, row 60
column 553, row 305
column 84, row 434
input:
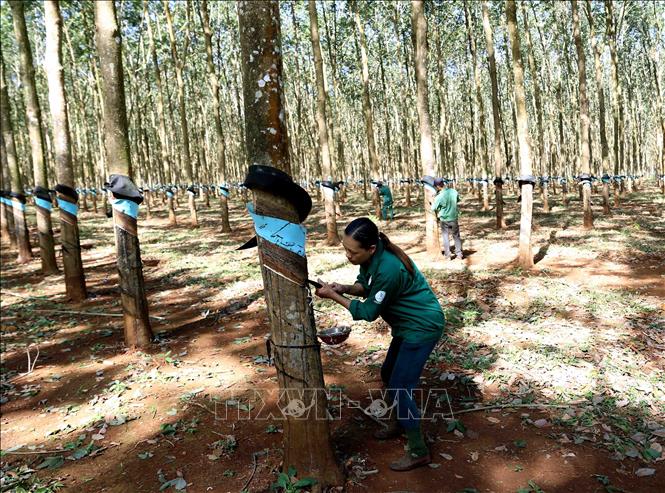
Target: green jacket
column 406, row 302
column 387, row 195
column 445, row 204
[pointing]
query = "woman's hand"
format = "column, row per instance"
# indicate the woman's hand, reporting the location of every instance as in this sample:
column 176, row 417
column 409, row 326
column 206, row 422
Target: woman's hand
column 338, row 288
column 326, row 290
column 333, row 292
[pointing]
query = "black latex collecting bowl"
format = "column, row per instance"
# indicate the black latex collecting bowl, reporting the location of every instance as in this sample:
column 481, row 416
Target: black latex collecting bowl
column 334, row 335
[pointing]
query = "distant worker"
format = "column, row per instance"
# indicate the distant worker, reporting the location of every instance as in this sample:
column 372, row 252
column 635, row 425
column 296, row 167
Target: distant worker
column 387, row 207
column 445, row 207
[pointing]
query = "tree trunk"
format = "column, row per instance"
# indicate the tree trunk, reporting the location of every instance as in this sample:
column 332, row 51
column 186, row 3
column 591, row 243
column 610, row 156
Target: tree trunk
column 585, row 164
column 34, row 124
column 166, row 160
column 419, row 26
column 616, row 94
column 525, row 257
column 498, row 181
column 214, row 89
column 535, row 81
column 6, row 209
column 16, row 183
column 367, row 110
column 169, row 200
column 604, row 148
column 69, row 231
column 484, row 158
column 307, row 445
column 109, row 48
column 328, row 193
column 179, row 63
column 653, row 55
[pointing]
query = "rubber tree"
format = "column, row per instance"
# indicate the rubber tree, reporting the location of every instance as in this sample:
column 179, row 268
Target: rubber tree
column 307, row 445
column 419, row 25
column 496, row 117
column 15, row 182
column 368, row 113
column 585, row 164
column 69, row 230
column 332, row 237
column 34, row 124
column 484, row 158
column 163, row 143
column 525, row 256
column 653, row 56
column 179, row 64
column 602, row 117
column 6, row 208
column 537, row 99
column 213, row 81
column 116, row 148
column 617, row 96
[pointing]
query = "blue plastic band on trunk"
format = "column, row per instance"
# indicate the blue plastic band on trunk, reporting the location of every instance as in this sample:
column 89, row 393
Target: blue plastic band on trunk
column 19, row 205
column 169, row 194
column 68, row 207
column 127, row 207
column 284, row 234
column 44, row 204
column 224, row 192
column 5, row 201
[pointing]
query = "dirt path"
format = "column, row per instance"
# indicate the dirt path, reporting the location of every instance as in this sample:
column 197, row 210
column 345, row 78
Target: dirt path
column 573, row 355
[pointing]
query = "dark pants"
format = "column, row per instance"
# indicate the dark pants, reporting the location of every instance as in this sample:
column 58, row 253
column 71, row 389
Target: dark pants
column 401, row 372
column 387, row 209
column 453, row 227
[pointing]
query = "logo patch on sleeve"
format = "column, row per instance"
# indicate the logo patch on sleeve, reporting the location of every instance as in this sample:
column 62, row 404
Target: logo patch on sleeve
column 379, row 297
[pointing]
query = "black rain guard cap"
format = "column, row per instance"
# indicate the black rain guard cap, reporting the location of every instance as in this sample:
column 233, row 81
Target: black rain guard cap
column 123, row 187
column 275, row 181
column 429, row 180
column 68, row 191
column 41, row 193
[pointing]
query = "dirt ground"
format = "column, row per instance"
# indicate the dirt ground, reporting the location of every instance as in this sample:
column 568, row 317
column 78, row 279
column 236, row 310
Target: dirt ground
column 550, row 380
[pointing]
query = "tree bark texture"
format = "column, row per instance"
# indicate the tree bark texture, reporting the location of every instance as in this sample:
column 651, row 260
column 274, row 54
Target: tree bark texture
column 216, row 107
column 332, row 237
column 367, row 110
column 496, row 116
column 604, row 147
column 34, row 124
column 179, row 63
column 109, row 48
column 525, row 256
column 484, row 158
column 6, row 210
column 15, row 184
column 585, row 164
column 307, row 444
column 69, row 231
column 419, row 24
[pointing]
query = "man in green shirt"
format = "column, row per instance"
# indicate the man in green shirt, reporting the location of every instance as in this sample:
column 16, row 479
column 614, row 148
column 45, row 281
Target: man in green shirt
column 397, row 291
column 445, row 207
column 387, row 207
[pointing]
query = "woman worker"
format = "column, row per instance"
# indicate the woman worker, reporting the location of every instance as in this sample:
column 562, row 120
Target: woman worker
column 396, row 290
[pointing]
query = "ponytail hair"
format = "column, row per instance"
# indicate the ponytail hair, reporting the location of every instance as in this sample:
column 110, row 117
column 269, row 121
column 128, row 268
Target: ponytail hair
column 365, row 232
